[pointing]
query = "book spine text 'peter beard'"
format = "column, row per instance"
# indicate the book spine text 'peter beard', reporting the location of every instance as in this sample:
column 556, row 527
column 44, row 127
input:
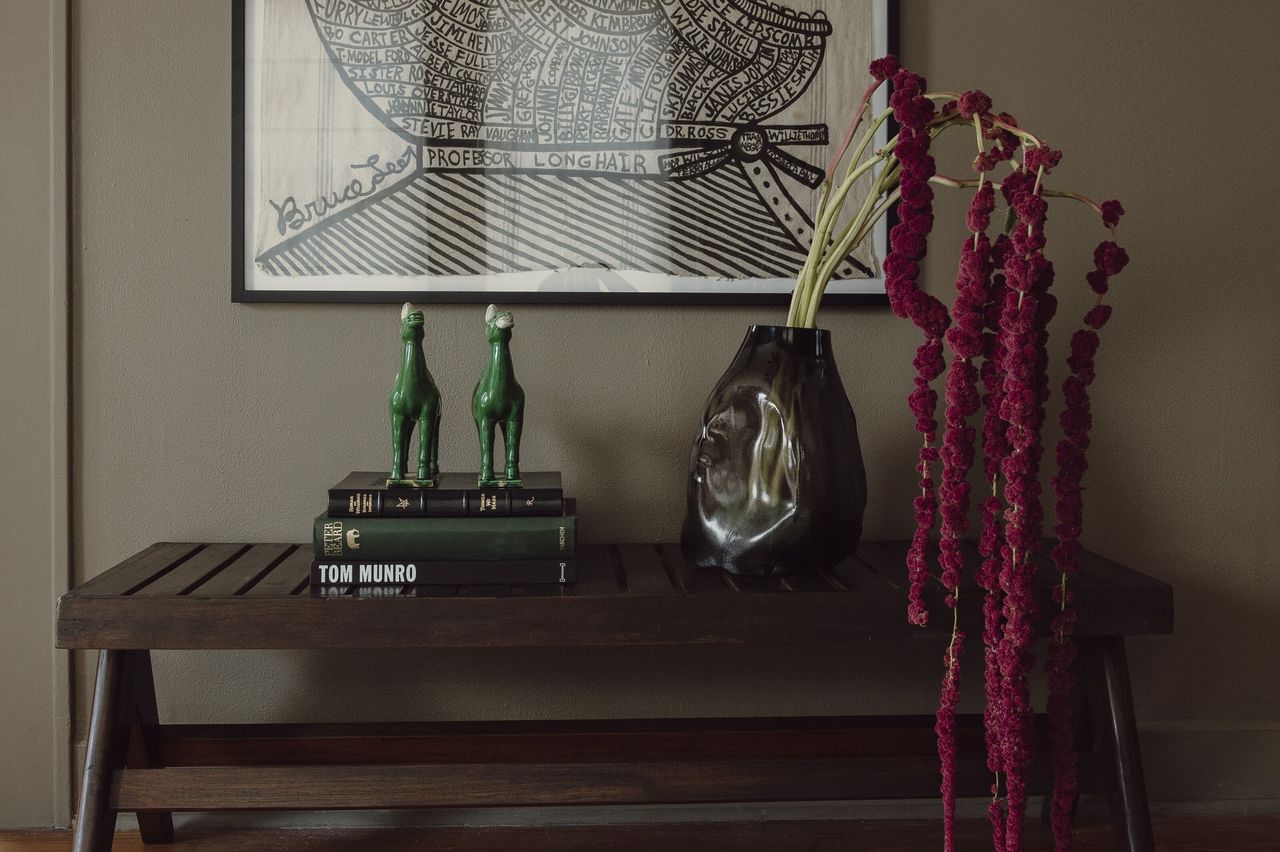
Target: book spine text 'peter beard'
column 465, row 538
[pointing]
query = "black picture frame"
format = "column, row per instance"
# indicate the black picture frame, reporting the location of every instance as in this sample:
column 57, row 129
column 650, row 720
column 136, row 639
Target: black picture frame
column 240, row 293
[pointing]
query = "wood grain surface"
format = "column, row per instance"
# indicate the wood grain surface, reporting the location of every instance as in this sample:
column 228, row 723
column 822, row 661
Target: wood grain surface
column 231, row 596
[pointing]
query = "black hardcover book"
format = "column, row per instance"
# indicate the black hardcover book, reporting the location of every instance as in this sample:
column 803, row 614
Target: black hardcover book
column 338, row 573
column 456, row 495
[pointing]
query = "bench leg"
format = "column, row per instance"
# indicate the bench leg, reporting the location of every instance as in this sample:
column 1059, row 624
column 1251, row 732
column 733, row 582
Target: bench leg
column 154, row 826
column 108, row 739
column 1118, row 730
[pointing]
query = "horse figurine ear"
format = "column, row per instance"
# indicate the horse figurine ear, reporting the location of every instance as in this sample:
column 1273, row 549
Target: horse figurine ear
column 406, row 310
column 491, row 313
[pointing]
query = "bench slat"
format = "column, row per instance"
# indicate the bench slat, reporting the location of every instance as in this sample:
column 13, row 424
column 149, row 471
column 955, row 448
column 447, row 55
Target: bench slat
column 809, row 584
column 754, row 585
column 285, row 577
column 240, row 788
column 245, row 571
column 184, row 599
column 139, row 569
column 1046, row 572
column 886, row 562
column 194, row 571
column 564, row 741
column 643, row 570
column 596, row 576
column 692, row 579
column 873, row 571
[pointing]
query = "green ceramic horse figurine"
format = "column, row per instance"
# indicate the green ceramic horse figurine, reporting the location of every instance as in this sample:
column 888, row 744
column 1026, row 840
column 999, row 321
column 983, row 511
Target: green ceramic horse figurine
column 499, row 401
column 415, row 398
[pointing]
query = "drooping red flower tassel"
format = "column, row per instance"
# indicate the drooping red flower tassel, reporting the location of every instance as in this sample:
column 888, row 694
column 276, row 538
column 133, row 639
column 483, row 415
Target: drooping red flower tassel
column 962, row 396
column 945, row 727
column 1076, row 420
column 992, row 623
column 1023, row 322
column 997, row 331
column 908, row 244
column 965, row 338
column 994, row 449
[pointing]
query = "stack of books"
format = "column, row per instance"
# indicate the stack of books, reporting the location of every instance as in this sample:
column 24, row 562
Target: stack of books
column 376, row 539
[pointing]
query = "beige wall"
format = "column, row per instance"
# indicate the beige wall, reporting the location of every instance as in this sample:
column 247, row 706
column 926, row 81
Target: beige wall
column 34, row 708
column 197, row 418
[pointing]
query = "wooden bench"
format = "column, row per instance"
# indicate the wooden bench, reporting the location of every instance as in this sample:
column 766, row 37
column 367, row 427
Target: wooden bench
column 233, row 596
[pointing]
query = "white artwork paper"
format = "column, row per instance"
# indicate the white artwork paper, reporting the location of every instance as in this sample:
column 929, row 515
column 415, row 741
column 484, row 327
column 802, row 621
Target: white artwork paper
column 609, row 147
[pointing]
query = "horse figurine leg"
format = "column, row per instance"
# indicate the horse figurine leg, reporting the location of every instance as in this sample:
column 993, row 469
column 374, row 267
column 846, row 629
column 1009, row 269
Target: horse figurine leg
column 424, row 443
column 484, row 425
column 433, row 444
column 511, row 440
column 428, row 435
column 401, row 432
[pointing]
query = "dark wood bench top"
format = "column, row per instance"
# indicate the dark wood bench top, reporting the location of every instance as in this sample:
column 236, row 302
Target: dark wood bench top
column 225, row 596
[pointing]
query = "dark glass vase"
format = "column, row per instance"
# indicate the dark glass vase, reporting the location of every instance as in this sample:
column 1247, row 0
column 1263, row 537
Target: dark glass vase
column 776, row 480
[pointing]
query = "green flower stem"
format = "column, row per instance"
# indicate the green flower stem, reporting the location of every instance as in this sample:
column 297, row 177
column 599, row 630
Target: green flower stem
column 848, row 136
column 865, row 142
column 853, row 234
column 982, row 176
column 810, row 257
column 826, row 254
column 817, row 283
column 852, row 237
column 855, row 238
column 828, row 210
column 822, row 261
column 862, row 232
column 889, row 200
column 966, row 183
column 1035, row 190
column 1026, row 137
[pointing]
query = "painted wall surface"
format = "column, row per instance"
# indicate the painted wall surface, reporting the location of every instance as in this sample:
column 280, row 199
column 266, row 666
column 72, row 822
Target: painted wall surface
column 34, row 718
column 199, row 419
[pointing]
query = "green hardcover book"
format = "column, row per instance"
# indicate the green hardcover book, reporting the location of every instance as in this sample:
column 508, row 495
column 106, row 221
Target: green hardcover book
column 447, row 538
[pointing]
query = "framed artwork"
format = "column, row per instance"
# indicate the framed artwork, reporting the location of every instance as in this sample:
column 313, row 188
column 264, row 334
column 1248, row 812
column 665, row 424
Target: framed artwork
column 617, row 151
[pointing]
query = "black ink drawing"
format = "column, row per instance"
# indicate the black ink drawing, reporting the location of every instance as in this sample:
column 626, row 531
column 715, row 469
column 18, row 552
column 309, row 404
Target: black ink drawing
column 553, row 134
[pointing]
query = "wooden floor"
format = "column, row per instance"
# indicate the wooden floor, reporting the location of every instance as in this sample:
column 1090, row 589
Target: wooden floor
column 1173, row 834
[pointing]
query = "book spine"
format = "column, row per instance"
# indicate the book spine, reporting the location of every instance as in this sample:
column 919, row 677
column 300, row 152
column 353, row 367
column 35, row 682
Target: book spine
column 432, row 503
column 348, row 503
column 517, row 502
column 445, row 538
column 429, row 572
